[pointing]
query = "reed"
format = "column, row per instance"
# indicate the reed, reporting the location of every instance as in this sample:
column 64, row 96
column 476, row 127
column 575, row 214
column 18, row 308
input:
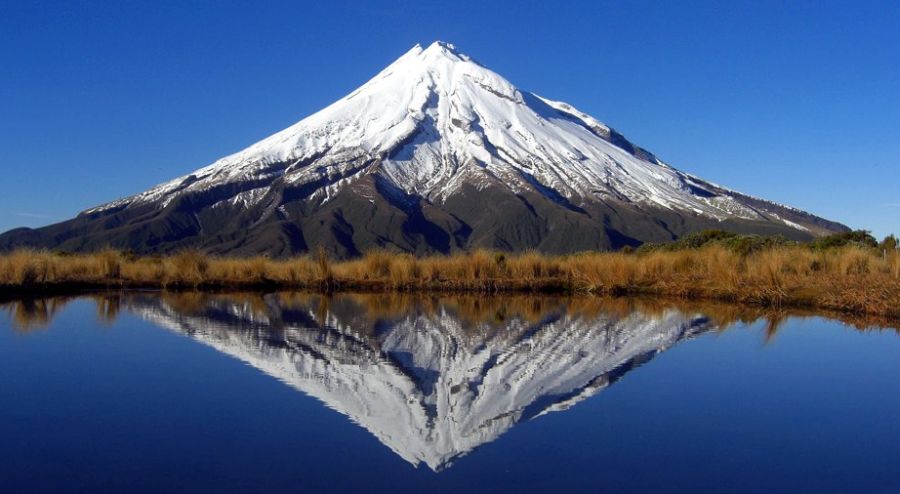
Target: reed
column 849, row 278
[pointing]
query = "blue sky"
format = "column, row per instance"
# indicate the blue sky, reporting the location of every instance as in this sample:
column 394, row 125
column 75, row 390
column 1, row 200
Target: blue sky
column 798, row 102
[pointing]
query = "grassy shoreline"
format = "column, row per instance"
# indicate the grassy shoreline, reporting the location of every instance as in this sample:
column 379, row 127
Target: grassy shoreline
column 850, row 278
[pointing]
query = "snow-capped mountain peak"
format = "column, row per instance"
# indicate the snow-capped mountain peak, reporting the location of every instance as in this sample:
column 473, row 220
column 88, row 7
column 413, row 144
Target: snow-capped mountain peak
column 436, row 119
column 426, row 139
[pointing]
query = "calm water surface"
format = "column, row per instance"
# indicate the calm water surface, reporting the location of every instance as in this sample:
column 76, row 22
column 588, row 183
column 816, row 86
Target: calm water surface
column 146, row 392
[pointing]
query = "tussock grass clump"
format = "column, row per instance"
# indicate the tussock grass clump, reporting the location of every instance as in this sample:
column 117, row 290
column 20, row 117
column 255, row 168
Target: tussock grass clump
column 853, row 277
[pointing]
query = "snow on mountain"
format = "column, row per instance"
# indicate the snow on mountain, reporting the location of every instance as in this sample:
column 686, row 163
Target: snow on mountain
column 436, row 119
column 436, row 153
column 431, row 387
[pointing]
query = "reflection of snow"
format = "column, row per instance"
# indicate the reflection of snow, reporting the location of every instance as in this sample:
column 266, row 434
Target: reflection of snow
column 429, row 386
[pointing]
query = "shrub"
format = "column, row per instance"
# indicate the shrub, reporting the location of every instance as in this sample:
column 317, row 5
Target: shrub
column 859, row 238
column 889, row 243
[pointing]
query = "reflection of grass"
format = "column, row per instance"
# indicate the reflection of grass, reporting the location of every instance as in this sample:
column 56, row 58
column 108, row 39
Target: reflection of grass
column 850, row 279
column 476, row 314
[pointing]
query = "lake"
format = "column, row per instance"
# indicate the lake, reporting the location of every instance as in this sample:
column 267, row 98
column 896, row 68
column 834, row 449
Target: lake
column 296, row 392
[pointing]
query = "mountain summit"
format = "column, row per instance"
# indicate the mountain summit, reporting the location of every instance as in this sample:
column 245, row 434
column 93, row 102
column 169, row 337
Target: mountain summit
column 436, row 153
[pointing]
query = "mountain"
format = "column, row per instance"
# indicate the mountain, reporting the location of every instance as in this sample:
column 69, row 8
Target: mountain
column 430, row 385
column 434, row 154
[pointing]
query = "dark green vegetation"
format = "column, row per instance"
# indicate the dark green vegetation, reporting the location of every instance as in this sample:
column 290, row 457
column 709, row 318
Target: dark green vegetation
column 746, row 244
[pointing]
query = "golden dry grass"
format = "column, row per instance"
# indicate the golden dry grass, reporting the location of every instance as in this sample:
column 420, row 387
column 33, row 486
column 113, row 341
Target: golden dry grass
column 849, row 279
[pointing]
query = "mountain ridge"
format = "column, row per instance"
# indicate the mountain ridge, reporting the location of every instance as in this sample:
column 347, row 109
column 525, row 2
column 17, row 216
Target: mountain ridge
column 434, row 154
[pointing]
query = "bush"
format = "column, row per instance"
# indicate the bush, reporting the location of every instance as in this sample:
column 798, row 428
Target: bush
column 857, row 238
column 741, row 244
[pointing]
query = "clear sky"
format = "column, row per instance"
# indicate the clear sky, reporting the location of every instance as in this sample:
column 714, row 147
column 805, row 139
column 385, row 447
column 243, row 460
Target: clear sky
column 797, row 102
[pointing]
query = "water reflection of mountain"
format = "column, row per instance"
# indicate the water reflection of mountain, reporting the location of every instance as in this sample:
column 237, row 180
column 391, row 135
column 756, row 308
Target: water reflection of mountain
column 435, row 379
